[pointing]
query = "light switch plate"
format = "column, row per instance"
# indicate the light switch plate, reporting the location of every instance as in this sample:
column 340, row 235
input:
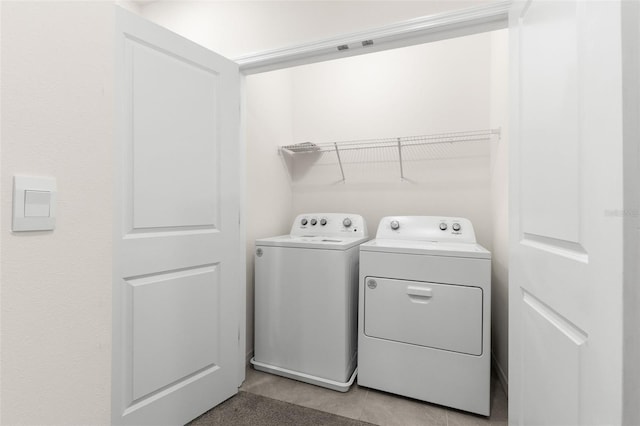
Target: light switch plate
column 34, row 203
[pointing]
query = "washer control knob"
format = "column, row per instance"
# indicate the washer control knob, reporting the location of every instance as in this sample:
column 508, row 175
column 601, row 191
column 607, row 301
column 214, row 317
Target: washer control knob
column 314, row 221
column 304, row 222
column 323, row 222
column 395, row 224
column 346, row 222
column 443, row 226
column 456, row 227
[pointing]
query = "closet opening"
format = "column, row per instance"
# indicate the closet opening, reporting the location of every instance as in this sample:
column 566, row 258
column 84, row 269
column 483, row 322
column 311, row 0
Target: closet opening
column 416, row 130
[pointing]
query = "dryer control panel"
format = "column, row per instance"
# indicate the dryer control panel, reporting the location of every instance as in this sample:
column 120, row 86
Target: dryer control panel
column 329, row 224
column 426, row 228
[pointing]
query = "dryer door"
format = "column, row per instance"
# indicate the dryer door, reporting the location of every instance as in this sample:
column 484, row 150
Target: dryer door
column 440, row 316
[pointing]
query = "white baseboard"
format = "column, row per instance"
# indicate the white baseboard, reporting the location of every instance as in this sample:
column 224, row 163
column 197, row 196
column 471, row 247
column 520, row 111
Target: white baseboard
column 504, row 381
column 249, row 356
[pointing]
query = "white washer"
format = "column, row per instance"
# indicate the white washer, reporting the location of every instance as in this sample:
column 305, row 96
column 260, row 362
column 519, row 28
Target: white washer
column 425, row 312
column 306, row 300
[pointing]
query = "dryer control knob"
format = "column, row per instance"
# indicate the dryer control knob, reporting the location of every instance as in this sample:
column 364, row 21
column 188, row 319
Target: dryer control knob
column 456, row 227
column 304, row 222
column 346, row 222
column 443, row 226
column 314, row 221
column 323, row 222
column 395, row 224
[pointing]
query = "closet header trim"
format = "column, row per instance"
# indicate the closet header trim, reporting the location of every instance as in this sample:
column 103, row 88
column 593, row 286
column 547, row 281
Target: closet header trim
column 478, row 19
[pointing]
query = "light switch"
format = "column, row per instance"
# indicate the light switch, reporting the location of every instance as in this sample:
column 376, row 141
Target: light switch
column 34, row 203
column 37, row 203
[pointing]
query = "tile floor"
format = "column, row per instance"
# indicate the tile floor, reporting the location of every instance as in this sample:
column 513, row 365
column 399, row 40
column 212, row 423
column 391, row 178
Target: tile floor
column 373, row 406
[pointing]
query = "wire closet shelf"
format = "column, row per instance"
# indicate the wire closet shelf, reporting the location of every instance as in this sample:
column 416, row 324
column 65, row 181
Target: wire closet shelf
column 407, row 144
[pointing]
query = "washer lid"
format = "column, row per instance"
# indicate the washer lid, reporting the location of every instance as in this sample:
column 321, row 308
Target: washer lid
column 312, row 242
column 431, row 248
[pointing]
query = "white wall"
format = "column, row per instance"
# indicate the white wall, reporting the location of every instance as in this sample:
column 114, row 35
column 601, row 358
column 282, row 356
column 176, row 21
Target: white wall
column 431, row 88
column 132, row 6
column 454, row 85
column 444, row 86
column 268, row 201
column 236, row 28
column 500, row 203
column 57, row 113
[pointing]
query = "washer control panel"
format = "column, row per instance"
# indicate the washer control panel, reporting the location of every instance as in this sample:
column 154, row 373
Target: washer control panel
column 426, row 228
column 319, row 224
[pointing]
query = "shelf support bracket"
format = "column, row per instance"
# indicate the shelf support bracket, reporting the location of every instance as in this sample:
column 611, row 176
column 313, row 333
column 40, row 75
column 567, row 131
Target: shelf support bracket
column 400, row 158
column 339, row 160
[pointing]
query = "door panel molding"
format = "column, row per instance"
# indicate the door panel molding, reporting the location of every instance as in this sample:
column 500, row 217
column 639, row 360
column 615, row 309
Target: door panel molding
column 169, row 309
column 553, row 355
column 550, row 86
column 169, row 389
column 569, row 249
column 183, row 82
column 167, row 231
column 573, row 332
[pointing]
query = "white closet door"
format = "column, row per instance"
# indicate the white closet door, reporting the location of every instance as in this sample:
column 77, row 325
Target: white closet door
column 177, row 242
column 565, row 329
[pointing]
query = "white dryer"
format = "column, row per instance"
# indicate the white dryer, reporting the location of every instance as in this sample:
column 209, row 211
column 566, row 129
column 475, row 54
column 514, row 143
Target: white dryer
column 425, row 312
column 306, row 300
